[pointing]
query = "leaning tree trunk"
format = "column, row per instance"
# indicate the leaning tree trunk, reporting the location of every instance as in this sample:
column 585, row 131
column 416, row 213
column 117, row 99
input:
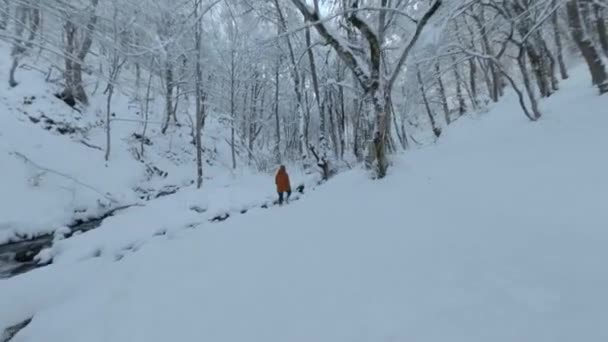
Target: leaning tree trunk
column 558, row 43
column 600, row 24
column 521, row 62
column 586, row 47
column 442, row 95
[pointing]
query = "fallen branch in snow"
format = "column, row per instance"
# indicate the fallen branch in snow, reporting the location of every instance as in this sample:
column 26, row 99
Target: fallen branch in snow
column 29, row 161
column 11, row 331
column 91, row 146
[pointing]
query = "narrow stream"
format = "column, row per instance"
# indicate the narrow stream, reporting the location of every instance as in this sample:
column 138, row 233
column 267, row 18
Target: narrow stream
column 18, row 257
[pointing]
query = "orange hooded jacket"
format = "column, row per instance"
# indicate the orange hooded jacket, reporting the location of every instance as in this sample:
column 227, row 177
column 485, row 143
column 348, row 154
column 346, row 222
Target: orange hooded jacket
column 282, row 180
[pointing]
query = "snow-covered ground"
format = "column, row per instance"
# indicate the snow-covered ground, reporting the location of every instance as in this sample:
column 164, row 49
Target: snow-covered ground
column 496, row 233
column 52, row 177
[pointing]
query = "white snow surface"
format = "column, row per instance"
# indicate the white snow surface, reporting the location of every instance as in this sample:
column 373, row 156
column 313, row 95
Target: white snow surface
column 496, row 233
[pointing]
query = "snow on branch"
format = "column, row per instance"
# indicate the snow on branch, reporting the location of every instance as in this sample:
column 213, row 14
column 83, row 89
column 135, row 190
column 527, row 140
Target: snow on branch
column 341, row 49
column 408, row 48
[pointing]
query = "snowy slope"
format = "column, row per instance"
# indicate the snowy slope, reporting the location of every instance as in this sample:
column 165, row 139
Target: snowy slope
column 51, row 177
column 60, row 175
column 496, row 233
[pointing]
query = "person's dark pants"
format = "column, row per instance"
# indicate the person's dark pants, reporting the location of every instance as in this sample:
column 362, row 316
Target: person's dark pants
column 281, row 197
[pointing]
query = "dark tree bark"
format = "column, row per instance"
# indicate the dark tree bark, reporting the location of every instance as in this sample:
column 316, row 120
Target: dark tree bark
column 521, row 62
column 74, row 87
column 586, row 47
column 600, row 24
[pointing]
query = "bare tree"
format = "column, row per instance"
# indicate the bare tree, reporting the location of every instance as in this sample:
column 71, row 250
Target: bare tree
column 78, row 42
column 373, row 81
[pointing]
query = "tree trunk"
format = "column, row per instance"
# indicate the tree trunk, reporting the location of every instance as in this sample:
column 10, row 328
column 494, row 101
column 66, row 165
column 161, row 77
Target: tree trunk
column 315, row 86
column 584, row 7
column 442, row 95
column 495, row 89
column 462, row 107
column 198, row 99
column 18, row 46
column 402, row 139
column 429, row 112
column 558, row 43
column 232, row 108
column 70, row 36
column 137, row 78
column 169, row 83
column 586, row 47
column 600, row 24
column 146, row 112
column 342, row 119
column 538, row 68
column 297, row 87
column 34, row 23
column 276, row 112
column 473, row 81
column 108, row 121
column 521, row 62
column 331, row 112
column 549, row 63
column 5, row 14
column 381, row 128
column 78, row 92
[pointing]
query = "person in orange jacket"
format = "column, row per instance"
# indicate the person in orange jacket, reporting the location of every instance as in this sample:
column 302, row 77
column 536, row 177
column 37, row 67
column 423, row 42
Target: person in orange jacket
column 283, row 185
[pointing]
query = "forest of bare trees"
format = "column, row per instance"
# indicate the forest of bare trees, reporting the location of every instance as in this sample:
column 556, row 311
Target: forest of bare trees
column 314, row 82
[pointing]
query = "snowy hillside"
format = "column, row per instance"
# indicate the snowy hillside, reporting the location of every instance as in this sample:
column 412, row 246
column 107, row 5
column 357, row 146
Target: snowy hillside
column 53, row 164
column 495, row 233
